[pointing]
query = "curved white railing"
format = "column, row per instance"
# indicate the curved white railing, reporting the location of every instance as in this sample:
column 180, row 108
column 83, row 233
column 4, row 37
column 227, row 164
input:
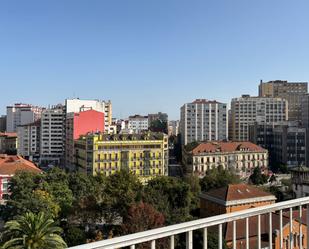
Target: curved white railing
column 188, row 227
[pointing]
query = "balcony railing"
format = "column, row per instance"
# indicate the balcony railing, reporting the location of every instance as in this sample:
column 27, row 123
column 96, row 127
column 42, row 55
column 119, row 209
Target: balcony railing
column 170, row 232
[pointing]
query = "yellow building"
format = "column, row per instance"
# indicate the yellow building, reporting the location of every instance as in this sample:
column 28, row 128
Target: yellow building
column 144, row 155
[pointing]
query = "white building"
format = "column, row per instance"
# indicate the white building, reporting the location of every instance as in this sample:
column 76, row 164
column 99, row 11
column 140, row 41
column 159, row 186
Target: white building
column 203, row 120
column 20, row 114
column 52, row 134
column 28, row 145
column 246, row 110
column 241, row 157
column 138, row 123
column 173, row 127
column 78, row 105
column 300, row 181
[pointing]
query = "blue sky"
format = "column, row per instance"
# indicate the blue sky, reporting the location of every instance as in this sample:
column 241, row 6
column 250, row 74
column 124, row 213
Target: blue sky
column 148, row 55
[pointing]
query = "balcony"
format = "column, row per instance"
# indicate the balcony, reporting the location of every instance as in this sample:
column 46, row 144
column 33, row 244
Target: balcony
column 217, row 222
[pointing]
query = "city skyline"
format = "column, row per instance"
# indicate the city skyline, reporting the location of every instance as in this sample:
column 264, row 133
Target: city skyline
column 148, row 57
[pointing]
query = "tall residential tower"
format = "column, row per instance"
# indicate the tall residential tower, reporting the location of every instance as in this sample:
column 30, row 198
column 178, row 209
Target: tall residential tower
column 247, row 110
column 291, row 91
column 203, row 120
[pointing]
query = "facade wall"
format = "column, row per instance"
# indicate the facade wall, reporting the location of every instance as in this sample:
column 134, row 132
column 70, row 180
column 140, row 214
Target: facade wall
column 247, row 110
column 29, row 141
column 241, row 162
column 78, row 124
column 8, row 143
column 21, row 114
column 285, row 141
column 4, row 186
column 291, row 91
column 138, row 123
column 296, row 237
column 88, row 121
column 79, row 105
column 3, row 123
column 52, row 135
column 203, row 120
column 209, row 208
column 144, row 158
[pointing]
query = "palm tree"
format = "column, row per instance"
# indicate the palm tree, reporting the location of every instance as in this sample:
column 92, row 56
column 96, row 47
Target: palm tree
column 33, row 231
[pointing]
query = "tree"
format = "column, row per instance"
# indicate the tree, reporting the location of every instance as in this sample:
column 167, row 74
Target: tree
column 120, row 192
column 170, row 196
column 75, row 236
column 143, row 217
column 48, row 193
column 32, row 231
column 195, row 190
column 81, row 185
column 273, row 178
column 22, row 187
column 257, row 178
column 159, row 125
column 218, row 178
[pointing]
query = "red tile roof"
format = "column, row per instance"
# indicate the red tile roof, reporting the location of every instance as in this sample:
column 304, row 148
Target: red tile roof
column 8, row 134
column 234, row 192
column 212, row 147
column 10, row 164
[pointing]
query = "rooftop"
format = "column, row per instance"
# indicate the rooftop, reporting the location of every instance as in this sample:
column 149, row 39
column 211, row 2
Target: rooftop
column 212, row 147
column 234, row 192
column 127, row 137
column 205, row 101
column 9, row 165
column 138, row 116
column 300, row 168
column 8, row 134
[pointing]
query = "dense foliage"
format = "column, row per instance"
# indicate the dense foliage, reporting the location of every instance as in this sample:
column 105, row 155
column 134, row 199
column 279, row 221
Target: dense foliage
column 32, row 231
column 90, row 208
column 217, row 178
column 257, row 178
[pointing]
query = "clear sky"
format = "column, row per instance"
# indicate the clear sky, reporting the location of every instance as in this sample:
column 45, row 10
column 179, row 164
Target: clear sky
column 148, row 55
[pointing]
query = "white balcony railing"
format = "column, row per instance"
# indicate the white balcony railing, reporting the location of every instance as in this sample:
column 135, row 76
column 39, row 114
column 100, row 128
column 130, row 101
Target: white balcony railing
column 188, row 227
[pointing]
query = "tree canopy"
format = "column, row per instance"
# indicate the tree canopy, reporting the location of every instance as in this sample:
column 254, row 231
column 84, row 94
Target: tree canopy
column 32, row 231
column 217, row 178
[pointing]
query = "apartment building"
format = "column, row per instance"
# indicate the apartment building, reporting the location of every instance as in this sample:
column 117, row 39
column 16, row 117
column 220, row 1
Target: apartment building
column 20, row 114
column 285, row 141
column 29, row 136
column 247, row 110
column 52, row 135
column 300, row 181
column 241, row 157
column 3, row 123
column 305, row 111
column 138, row 123
column 203, row 120
column 78, row 124
column 157, row 116
column 145, row 155
column 9, row 165
column 80, row 105
column 173, row 127
column 291, row 91
column 8, row 143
